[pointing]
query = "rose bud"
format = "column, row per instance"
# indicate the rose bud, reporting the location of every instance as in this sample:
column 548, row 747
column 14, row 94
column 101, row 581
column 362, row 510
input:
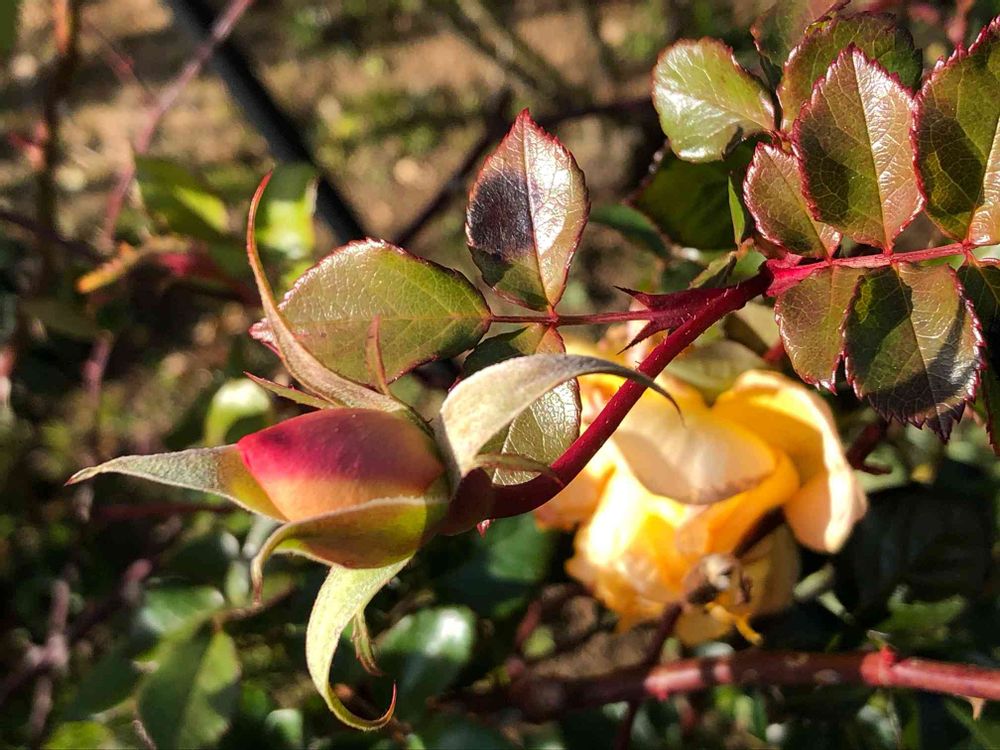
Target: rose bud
column 334, row 459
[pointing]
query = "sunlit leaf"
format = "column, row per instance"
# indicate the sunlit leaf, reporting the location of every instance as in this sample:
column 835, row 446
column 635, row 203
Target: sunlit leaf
column 301, row 363
column 220, row 471
column 811, row 319
column 526, row 212
column 853, row 141
column 547, row 428
column 425, row 652
column 481, row 405
column 706, row 101
column 688, row 202
column 981, row 283
column 182, row 202
column 292, row 394
column 912, row 343
column 425, row 311
column 956, row 133
column 191, row 697
column 877, row 36
column 344, row 593
column 285, row 215
column 773, row 194
column 81, row 735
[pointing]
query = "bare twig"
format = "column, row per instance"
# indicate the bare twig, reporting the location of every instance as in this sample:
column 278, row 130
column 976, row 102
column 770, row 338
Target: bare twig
column 865, row 443
column 221, row 30
column 49, row 234
column 543, row 698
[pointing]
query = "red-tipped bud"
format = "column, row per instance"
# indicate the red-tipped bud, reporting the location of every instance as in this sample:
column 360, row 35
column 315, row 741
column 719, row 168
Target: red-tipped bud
column 340, row 458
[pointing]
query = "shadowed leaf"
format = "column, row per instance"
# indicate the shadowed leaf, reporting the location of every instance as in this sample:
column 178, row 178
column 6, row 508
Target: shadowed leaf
column 689, row 202
column 481, row 405
column 344, row 594
column 548, row 427
column 811, row 319
column 190, row 698
column 180, row 200
column 913, row 345
column 981, row 283
column 526, row 212
column 706, row 101
column 957, row 138
column 773, row 194
column 425, row 311
column 780, row 28
column 877, row 36
column 852, row 140
column 220, row 471
column 633, row 224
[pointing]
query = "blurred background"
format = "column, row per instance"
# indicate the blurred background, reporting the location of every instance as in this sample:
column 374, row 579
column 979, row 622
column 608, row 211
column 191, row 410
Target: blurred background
column 124, row 306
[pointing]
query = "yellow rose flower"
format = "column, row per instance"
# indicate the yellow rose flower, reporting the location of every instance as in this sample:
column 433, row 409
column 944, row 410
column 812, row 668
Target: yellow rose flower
column 670, row 488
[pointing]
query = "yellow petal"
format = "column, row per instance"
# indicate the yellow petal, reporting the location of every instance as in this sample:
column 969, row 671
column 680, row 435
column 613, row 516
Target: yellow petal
column 692, row 457
column 578, row 500
column 721, row 526
column 795, row 419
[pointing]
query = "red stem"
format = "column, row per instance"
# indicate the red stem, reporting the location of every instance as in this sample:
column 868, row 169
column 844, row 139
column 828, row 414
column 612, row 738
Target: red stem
column 514, row 500
column 787, row 276
column 541, row 698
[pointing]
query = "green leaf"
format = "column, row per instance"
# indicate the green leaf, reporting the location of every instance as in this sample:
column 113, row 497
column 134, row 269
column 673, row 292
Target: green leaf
column 236, row 400
column 633, row 224
column 172, row 609
column 913, row 345
column 459, row 732
column 426, row 651
column 877, row 36
column 526, row 212
column 781, row 26
column 220, row 471
column 549, row 426
column 985, row 731
column 108, row 683
column 285, row 216
column 370, row 535
column 292, row 394
column 738, row 214
column 425, row 311
column 191, row 697
column 773, row 194
column 344, row 593
column 179, row 200
column 688, row 202
column 10, row 12
column 706, row 101
column 915, row 624
column 852, row 139
column 956, row 133
column 981, row 283
column 81, row 735
column 302, row 363
column 713, row 368
column 481, row 405
column 811, row 319
column 284, row 730
column 932, row 540
column 507, row 564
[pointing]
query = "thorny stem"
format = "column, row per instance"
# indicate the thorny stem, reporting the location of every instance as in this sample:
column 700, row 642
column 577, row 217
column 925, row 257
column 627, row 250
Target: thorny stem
column 544, row 698
column 514, row 500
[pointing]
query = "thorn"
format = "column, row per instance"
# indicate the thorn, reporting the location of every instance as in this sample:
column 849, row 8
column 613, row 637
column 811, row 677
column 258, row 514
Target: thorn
column 483, row 525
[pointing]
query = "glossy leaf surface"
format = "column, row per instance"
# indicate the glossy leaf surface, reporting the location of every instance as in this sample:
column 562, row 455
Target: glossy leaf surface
column 811, row 319
column 957, row 137
column 425, row 311
column 780, row 27
column 877, row 36
column 773, row 194
column 853, row 141
column 913, row 345
column 706, row 101
column 526, row 212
